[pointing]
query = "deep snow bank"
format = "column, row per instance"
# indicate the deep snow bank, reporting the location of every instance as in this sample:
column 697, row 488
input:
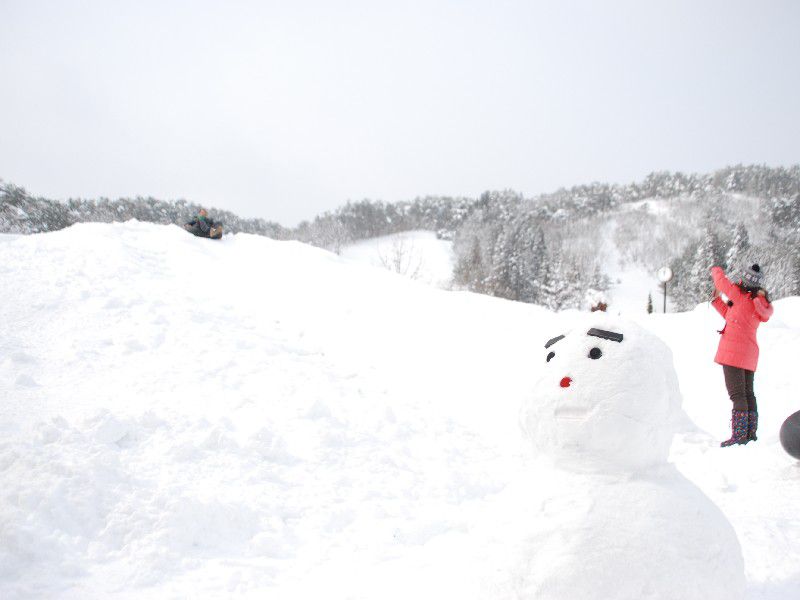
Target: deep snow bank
column 251, row 417
column 238, row 416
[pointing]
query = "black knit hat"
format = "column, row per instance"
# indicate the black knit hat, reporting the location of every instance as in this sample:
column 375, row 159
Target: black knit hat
column 752, row 277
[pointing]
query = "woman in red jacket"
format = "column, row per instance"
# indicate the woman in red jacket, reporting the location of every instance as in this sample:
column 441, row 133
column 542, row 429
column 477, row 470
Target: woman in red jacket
column 747, row 307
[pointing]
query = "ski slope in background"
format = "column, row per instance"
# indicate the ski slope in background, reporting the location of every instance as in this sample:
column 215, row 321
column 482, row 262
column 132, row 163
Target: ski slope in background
column 250, row 418
column 420, row 256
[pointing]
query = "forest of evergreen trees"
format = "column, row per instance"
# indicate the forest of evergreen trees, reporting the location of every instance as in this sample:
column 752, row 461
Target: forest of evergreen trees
column 548, row 250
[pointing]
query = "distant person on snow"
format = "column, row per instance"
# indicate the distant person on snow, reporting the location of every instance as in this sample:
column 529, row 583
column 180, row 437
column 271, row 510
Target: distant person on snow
column 203, row 226
column 747, row 307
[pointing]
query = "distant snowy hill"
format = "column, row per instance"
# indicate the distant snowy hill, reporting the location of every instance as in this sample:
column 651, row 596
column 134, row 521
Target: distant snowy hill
column 254, row 418
column 551, row 250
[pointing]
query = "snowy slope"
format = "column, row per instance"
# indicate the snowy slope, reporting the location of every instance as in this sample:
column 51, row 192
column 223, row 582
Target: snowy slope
column 251, row 418
column 418, row 255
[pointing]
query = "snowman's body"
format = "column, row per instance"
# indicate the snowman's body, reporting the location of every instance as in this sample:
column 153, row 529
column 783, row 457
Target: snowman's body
column 615, row 520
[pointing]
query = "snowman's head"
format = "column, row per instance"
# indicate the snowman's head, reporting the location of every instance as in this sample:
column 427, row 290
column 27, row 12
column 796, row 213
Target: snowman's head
column 608, row 395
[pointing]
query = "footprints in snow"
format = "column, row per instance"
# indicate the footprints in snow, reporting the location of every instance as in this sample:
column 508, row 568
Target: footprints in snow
column 21, row 368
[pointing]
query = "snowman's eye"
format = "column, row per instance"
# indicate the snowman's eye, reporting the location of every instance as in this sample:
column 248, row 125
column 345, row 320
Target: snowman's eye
column 595, row 353
column 551, row 355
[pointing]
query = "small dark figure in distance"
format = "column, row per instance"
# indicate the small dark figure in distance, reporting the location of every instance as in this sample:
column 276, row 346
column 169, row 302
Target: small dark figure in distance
column 203, row 226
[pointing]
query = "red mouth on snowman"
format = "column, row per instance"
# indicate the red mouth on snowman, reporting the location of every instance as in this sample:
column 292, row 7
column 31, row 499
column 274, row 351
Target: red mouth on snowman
column 565, row 382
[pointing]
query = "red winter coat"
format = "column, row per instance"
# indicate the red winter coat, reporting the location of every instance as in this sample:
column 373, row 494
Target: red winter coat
column 738, row 346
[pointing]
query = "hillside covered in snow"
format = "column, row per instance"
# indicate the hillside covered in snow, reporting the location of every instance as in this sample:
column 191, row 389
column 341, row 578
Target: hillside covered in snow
column 258, row 418
column 550, row 249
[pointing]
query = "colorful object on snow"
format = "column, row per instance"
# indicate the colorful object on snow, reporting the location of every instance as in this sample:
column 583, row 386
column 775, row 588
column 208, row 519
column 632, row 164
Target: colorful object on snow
column 738, row 346
column 752, row 425
column 739, row 431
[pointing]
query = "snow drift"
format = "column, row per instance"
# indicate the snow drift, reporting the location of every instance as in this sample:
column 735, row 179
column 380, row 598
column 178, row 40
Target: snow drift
column 249, row 417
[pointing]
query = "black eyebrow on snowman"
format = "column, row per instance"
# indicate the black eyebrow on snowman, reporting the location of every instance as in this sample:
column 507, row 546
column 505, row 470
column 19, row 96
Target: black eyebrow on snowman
column 606, row 335
column 553, row 341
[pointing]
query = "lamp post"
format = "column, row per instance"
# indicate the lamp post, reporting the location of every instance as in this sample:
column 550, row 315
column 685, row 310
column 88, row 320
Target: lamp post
column 664, row 276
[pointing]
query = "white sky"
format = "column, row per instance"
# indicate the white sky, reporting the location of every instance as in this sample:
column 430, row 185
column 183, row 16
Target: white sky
column 285, row 109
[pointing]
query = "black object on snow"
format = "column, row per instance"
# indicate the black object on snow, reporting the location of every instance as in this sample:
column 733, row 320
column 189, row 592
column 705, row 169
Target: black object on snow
column 606, row 335
column 553, row 341
column 790, row 435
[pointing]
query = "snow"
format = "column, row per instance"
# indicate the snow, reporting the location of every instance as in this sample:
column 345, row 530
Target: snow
column 252, row 418
column 631, row 283
column 418, row 255
column 656, row 206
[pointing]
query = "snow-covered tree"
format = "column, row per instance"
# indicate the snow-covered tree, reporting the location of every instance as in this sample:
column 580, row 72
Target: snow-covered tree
column 698, row 286
column 739, row 245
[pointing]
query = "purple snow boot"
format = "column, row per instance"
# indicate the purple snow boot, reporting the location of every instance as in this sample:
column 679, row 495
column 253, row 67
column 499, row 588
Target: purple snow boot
column 752, row 425
column 738, row 429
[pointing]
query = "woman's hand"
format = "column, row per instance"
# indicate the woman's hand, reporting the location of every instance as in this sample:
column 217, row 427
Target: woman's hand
column 762, row 293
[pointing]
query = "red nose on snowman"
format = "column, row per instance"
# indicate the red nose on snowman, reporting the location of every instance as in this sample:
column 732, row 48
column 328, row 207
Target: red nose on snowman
column 565, row 382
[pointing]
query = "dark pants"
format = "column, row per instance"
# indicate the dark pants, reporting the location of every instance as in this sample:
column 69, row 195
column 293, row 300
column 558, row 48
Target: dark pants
column 740, row 387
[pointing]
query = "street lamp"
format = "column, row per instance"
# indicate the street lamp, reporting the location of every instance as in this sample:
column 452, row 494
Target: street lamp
column 664, row 276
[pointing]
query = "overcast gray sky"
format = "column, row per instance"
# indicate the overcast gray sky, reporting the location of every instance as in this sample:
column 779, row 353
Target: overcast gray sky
column 285, row 109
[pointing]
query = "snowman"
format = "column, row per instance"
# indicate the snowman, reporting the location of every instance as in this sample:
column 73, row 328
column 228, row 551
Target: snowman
column 607, row 516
